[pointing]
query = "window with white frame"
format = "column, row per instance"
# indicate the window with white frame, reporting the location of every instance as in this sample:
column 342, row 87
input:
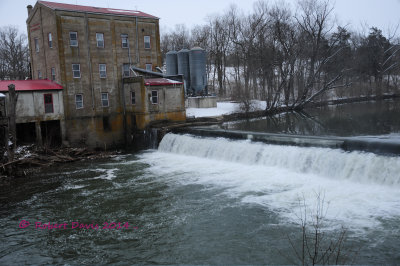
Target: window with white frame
column 37, row 45
column 124, row 40
column 76, row 70
column 104, row 99
column 133, row 97
column 100, row 40
column 53, row 74
column 147, row 42
column 73, row 38
column 103, row 70
column 79, row 101
column 149, row 67
column 125, row 70
column 154, row 97
column 50, row 39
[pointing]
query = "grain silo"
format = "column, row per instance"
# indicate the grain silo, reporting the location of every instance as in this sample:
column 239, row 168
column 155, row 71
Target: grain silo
column 198, row 76
column 172, row 63
column 184, row 68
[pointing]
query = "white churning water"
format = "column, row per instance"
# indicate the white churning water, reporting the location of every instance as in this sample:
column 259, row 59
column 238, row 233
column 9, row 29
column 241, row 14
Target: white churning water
column 331, row 163
column 361, row 190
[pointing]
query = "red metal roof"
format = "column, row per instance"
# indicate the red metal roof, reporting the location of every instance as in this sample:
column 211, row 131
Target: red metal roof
column 30, row 85
column 92, row 9
column 161, row 82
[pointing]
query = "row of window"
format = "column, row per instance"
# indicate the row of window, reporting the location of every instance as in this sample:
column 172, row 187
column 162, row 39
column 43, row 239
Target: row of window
column 49, row 108
column 76, row 70
column 49, row 39
column 53, row 74
column 105, row 101
column 73, row 41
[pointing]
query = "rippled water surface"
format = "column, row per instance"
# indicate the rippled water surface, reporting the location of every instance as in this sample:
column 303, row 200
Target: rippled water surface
column 203, row 201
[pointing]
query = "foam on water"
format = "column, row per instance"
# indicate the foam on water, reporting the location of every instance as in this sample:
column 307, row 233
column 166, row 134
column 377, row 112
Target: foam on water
column 332, row 163
column 109, row 174
column 360, row 189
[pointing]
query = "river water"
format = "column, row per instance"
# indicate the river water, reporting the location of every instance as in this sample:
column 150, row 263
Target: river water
column 364, row 118
column 204, row 201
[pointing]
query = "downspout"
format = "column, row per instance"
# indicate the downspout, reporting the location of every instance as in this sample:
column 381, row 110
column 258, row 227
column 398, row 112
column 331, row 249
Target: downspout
column 44, row 50
column 124, row 123
column 137, row 43
column 89, row 59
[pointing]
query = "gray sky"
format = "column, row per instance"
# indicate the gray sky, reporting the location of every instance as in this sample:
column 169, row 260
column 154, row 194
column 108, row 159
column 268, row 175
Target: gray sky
column 384, row 14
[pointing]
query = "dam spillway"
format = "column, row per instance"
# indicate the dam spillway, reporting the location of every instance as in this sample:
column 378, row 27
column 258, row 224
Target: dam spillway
column 375, row 144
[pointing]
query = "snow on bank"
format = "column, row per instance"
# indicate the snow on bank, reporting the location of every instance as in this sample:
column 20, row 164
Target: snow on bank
column 223, row 108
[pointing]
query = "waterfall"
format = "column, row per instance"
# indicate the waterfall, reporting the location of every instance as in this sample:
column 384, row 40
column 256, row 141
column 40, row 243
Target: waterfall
column 151, row 138
column 362, row 167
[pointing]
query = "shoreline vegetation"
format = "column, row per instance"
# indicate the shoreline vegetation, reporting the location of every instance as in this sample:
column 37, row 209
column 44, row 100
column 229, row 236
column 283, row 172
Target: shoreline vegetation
column 32, row 158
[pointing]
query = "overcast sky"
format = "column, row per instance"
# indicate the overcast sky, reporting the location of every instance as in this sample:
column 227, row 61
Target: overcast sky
column 383, row 14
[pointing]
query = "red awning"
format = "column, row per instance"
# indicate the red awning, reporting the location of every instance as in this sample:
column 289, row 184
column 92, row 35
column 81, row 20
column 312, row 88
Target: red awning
column 30, row 85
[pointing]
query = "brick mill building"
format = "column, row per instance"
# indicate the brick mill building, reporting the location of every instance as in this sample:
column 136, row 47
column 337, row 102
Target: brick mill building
column 91, row 52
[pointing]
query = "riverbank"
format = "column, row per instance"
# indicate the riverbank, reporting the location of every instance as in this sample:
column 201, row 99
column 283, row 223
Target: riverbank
column 31, row 158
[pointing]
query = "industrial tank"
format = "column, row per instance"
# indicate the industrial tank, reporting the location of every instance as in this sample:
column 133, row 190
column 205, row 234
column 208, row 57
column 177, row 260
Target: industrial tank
column 172, row 63
column 184, row 68
column 198, row 76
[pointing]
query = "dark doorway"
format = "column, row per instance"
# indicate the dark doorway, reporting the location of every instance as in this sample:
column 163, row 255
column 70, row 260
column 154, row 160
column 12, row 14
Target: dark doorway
column 26, row 133
column 106, row 124
column 51, row 132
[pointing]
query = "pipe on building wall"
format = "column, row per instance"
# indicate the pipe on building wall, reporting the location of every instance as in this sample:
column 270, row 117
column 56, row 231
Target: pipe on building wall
column 137, row 43
column 43, row 46
column 89, row 58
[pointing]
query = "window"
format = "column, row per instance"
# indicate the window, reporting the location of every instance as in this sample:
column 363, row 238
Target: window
column 154, row 97
column 79, row 101
column 50, row 40
column 76, row 70
column 125, row 70
column 53, row 74
column 37, row 45
column 73, row 38
column 39, row 74
column 104, row 99
column 147, row 42
column 48, row 103
column 103, row 70
column 149, row 67
column 133, row 97
column 100, row 40
column 124, row 40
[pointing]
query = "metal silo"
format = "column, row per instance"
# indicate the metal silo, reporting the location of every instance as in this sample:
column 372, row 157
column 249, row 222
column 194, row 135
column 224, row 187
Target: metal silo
column 184, row 68
column 198, row 76
column 172, row 63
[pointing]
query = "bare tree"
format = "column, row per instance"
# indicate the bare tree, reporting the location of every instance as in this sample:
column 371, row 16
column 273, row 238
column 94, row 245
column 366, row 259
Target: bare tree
column 317, row 247
column 14, row 55
column 219, row 39
column 246, row 35
column 290, row 59
column 314, row 21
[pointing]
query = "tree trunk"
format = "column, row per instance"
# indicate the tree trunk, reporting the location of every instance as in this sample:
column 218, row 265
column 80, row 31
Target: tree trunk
column 12, row 128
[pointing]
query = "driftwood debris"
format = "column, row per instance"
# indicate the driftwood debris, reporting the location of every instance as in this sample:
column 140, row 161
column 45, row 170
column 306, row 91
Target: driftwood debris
column 46, row 157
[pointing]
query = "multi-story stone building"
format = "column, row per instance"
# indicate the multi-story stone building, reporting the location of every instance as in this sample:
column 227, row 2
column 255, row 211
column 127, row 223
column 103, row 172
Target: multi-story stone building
column 89, row 51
